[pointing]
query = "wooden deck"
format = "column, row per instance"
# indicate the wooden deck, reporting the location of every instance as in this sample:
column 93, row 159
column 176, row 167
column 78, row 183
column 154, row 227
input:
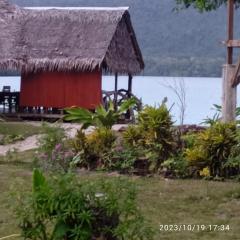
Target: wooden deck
column 10, row 109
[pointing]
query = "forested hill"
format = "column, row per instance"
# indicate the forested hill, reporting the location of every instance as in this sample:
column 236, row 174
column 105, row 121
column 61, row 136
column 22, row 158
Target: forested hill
column 184, row 43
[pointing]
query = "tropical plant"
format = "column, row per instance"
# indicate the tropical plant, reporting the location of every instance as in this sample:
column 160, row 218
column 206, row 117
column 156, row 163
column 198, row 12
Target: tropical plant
column 189, row 139
column 86, row 155
column 153, row 135
column 157, row 128
column 213, row 147
column 217, row 115
column 232, row 166
column 132, row 136
column 176, row 166
column 102, row 141
column 126, row 158
column 62, row 207
column 215, row 118
column 101, row 117
column 96, row 149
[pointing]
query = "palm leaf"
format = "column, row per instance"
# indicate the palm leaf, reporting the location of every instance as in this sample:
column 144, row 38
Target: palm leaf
column 126, row 105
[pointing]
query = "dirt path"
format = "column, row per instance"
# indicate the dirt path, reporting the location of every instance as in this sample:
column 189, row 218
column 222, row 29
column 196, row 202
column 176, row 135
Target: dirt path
column 32, row 141
column 21, row 146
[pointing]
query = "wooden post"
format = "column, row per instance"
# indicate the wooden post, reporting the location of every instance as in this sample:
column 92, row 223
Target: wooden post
column 129, row 85
column 115, row 91
column 229, row 97
column 130, row 113
column 230, row 26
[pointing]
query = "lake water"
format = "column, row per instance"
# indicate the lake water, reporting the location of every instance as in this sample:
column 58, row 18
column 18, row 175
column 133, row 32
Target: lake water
column 201, row 93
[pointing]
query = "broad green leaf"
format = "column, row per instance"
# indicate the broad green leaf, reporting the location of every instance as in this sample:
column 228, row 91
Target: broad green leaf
column 126, row 105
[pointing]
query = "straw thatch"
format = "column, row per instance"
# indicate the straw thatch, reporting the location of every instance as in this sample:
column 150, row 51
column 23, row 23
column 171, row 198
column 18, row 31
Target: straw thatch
column 34, row 40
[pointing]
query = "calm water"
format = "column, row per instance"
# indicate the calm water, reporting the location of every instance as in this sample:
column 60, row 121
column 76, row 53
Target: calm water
column 201, row 93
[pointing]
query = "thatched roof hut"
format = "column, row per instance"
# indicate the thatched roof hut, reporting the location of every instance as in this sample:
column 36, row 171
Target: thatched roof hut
column 66, row 49
column 67, row 39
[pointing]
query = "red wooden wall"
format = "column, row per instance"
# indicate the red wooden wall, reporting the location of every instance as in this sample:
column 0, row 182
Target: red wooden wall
column 60, row 89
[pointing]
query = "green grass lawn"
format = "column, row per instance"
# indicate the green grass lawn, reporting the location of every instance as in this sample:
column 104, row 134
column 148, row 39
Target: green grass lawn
column 162, row 201
column 11, row 131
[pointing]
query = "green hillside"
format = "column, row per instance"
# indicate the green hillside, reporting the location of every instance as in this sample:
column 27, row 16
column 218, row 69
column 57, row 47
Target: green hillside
column 184, row 43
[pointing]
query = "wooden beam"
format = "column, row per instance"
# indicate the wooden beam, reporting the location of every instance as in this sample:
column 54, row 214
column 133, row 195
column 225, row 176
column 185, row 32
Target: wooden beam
column 233, row 43
column 230, row 30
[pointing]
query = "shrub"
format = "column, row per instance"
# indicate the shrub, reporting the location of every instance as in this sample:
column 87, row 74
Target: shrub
column 102, row 140
column 126, row 158
column 52, row 135
column 86, row 155
column 65, row 208
column 153, row 134
column 232, row 166
column 53, row 153
column 213, row 147
column 96, row 149
column 132, row 136
column 60, row 160
column 156, row 126
column 176, row 166
column 189, row 139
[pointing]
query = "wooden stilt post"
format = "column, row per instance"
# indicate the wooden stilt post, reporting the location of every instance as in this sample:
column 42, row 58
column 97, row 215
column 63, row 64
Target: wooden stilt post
column 229, row 95
column 130, row 113
column 129, row 85
column 115, row 91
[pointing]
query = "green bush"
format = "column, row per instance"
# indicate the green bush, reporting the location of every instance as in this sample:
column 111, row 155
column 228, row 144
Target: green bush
column 153, row 135
column 52, row 135
column 125, row 159
column 53, row 153
column 176, row 166
column 189, row 139
column 63, row 207
column 86, row 156
column 132, row 136
column 232, row 166
column 60, row 160
column 96, row 149
column 213, row 147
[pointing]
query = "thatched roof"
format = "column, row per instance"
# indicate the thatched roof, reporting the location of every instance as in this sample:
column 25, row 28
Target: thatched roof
column 79, row 39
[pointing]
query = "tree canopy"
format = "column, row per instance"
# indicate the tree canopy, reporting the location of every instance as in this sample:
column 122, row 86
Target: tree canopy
column 204, row 5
